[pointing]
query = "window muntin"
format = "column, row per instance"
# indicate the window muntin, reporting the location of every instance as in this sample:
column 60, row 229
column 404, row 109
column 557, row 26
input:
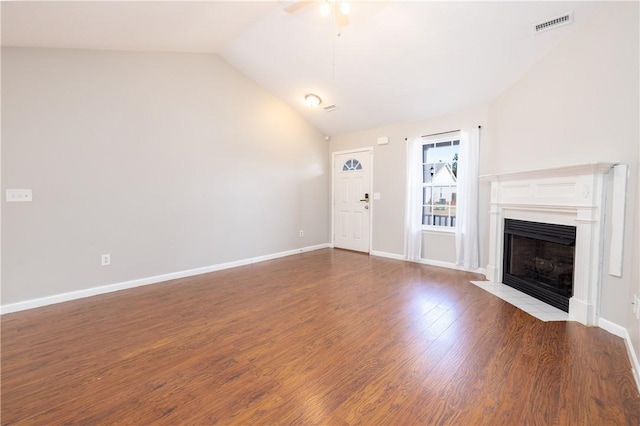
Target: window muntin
column 351, row 164
column 439, row 182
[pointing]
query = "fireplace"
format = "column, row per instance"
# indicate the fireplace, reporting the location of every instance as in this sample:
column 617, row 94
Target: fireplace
column 539, row 260
column 571, row 196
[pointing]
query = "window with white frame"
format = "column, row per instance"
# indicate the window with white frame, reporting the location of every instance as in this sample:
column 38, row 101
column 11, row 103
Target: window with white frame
column 439, row 182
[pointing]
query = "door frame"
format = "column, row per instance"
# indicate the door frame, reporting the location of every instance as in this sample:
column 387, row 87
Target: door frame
column 368, row 150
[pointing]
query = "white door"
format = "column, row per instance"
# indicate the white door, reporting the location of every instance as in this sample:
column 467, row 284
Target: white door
column 351, row 200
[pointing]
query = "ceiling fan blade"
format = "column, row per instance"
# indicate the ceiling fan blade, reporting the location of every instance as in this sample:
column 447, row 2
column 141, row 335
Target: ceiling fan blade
column 298, row 5
column 342, row 20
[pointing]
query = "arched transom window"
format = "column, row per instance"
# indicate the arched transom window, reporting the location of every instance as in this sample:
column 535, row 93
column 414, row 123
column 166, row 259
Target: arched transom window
column 351, row 165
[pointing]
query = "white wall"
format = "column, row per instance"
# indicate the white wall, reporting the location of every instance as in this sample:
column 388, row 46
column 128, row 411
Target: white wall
column 390, row 163
column 579, row 104
column 166, row 161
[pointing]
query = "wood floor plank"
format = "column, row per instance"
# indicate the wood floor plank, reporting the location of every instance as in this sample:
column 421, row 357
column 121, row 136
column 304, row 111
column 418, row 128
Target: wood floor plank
column 326, row 337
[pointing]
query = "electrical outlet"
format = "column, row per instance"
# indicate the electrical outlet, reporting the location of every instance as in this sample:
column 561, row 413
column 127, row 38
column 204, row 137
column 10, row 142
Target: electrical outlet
column 19, row 195
column 301, row 233
column 106, row 259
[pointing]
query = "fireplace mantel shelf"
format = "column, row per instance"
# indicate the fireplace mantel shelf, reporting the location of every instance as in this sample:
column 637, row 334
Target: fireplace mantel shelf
column 571, row 170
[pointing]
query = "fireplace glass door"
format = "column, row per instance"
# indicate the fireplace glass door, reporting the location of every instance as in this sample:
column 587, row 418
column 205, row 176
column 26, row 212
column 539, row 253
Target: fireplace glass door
column 539, row 260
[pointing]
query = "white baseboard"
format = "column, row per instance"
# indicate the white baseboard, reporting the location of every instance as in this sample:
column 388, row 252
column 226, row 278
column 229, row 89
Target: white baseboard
column 622, row 332
column 449, row 265
column 387, row 255
column 612, row 327
column 439, row 263
column 635, row 364
column 73, row 295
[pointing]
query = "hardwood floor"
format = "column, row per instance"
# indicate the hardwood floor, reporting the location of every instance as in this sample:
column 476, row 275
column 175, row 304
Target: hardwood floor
column 326, row 337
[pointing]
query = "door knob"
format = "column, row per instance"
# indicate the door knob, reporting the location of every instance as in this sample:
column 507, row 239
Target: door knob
column 366, row 198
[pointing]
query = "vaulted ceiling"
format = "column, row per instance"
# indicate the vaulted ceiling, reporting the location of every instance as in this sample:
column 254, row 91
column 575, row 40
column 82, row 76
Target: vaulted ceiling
column 394, row 62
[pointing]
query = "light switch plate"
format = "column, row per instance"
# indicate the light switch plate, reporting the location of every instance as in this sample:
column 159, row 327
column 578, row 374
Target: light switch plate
column 19, row 195
column 376, row 195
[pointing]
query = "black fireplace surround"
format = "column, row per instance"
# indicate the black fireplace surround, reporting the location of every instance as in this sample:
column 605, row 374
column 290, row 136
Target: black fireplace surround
column 539, row 260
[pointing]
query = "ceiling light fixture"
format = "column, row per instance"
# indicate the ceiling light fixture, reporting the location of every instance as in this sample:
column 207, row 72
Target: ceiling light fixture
column 312, row 100
column 337, row 5
column 337, row 9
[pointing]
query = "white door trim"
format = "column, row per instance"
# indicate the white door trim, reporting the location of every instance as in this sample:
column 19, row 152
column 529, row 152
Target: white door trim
column 333, row 204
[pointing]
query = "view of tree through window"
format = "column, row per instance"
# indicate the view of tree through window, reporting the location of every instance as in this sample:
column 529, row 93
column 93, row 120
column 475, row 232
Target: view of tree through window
column 440, row 173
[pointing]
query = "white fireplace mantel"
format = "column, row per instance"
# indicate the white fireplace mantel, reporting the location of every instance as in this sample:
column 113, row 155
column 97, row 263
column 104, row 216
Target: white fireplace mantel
column 572, row 195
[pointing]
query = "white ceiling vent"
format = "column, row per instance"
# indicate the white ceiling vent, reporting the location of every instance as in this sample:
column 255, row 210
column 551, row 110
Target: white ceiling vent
column 330, row 108
column 552, row 23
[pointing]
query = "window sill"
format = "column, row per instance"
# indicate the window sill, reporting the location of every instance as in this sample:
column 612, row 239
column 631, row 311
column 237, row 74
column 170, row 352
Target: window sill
column 440, row 229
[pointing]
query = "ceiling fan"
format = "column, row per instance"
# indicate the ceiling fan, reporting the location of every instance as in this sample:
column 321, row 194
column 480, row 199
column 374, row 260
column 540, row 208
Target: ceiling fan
column 338, row 8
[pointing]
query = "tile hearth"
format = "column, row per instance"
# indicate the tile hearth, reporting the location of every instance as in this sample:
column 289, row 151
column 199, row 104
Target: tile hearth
column 522, row 301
